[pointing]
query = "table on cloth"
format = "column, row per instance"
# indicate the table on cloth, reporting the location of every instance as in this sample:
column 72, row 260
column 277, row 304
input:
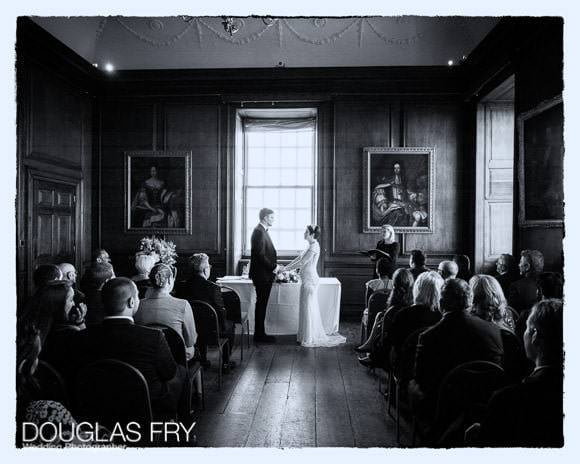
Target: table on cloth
column 283, row 305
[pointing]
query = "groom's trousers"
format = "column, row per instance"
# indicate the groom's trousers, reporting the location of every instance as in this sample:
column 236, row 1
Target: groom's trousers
column 262, row 295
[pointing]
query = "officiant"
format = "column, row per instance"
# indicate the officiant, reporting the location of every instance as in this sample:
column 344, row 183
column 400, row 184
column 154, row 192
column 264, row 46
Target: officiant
column 388, row 246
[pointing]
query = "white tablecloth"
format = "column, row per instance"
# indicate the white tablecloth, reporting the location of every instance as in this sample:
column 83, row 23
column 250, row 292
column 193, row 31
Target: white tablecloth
column 282, row 313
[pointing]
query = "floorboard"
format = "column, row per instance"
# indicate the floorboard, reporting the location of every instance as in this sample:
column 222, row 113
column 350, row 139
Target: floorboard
column 288, row 396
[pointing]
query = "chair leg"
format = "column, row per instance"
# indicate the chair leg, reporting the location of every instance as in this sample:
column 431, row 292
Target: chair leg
column 242, row 344
column 248, row 332
column 220, row 368
column 202, row 389
column 398, row 414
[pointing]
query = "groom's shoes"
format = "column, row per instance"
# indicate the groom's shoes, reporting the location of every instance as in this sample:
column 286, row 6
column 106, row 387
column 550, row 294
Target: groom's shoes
column 264, row 339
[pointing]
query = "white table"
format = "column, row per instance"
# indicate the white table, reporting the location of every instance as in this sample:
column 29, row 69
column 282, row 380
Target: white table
column 282, row 313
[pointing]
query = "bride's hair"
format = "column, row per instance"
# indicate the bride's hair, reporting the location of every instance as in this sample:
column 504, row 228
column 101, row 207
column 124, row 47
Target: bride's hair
column 314, row 230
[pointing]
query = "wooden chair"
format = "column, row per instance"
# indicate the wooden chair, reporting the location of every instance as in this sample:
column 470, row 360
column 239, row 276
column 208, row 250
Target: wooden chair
column 52, row 385
column 111, row 391
column 462, row 400
column 377, row 303
column 208, row 331
column 193, row 368
column 233, row 306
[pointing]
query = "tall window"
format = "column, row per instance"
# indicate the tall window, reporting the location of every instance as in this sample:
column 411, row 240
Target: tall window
column 280, row 174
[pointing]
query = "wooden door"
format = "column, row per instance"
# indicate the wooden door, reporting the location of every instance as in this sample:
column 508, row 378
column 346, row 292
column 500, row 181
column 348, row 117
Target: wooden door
column 53, row 223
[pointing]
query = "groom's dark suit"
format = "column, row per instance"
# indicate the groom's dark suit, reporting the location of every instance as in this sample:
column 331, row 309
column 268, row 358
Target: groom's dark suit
column 262, row 265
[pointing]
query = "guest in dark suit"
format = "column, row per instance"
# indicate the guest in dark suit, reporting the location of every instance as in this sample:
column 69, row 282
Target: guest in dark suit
column 199, row 287
column 100, row 257
column 456, row 339
column 417, row 263
column 523, row 293
column 144, row 348
column 95, row 277
column 507, row 272
column 45, row 273
column 550, row 285
column 464, row 264
column 531, row 413
column 263, row 268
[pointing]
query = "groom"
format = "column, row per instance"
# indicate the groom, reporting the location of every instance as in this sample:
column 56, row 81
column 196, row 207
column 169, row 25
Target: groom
column 263, row 269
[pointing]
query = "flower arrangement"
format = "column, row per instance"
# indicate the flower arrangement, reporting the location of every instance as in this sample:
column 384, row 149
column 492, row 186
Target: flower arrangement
column 285, row 277
column 164, row 250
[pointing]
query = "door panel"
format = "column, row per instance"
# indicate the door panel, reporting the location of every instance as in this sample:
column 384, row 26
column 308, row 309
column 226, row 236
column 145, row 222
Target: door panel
column 53, row 228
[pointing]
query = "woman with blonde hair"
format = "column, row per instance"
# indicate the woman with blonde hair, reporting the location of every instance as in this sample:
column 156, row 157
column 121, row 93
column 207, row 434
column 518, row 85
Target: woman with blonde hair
column 489, row 302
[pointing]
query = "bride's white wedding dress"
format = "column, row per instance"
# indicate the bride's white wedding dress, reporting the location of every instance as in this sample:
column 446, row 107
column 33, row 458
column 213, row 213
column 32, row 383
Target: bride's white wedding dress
column 310, row 329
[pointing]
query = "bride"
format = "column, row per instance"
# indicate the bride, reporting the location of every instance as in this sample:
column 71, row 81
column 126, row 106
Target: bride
column 310, row 329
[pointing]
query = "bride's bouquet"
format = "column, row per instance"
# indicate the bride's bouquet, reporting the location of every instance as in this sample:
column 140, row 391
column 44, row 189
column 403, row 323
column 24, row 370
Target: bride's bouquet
column 285, row 277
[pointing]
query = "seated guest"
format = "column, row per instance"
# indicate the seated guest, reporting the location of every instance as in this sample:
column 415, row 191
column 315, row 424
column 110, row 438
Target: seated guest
column 530, row 414
column 448, row 269
column 507, row 272
column 523, row 293
column 45, row 273
column 69, row 273
column 198, row 287
column 550, row 285
column 144, row 348
column 55, row 298
column 62, row 318
column 464, row 265
column 162, row 308
column 143, row 263
column 384, row 281
column 417, row 263
column 400, row 297
column 423, row 313
column 99, row 257
column 489, row 302
column 456, row 339
column 95, row 277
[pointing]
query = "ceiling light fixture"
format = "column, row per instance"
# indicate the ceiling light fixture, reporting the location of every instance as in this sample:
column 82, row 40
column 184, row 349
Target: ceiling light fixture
column 229, row 26
column 109, row 67
column 450, row 62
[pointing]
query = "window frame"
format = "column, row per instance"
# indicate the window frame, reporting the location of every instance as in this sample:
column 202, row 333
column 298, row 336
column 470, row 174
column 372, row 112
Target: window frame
column 313, row 187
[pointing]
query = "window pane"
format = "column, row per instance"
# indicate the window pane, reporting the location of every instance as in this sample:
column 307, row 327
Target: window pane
column 277, row 161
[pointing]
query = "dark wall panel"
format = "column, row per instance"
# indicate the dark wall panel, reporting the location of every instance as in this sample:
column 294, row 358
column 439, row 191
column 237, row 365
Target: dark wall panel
column 357, row 125
column 196, row 128
column 437, row 125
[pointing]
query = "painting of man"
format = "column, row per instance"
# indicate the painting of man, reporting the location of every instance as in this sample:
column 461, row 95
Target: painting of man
column 398, row 189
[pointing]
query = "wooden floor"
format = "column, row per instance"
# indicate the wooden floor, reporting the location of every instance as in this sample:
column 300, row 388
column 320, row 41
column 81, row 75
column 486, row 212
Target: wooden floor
column 284, row 395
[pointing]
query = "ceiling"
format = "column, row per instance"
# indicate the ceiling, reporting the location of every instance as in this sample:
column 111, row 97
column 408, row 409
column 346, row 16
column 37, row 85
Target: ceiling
column 186, row 42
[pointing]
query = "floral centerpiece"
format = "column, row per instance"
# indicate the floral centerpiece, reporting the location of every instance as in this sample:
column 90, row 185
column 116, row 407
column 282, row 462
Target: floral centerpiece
column 285, row 277
column 163, row 251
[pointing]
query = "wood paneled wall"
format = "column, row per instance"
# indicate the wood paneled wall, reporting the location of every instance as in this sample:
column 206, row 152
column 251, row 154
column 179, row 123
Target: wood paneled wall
column 54, row 128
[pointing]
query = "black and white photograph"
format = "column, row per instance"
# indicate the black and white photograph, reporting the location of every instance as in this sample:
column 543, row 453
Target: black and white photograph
column 289, row 232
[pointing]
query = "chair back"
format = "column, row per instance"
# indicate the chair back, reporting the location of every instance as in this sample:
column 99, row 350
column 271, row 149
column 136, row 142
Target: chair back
column 206, row 323
column 405, row 358
column 377, row 303
column 175, row 342
column 232, row 304
column 464, row 394
column 111, row 391
column 51, row 383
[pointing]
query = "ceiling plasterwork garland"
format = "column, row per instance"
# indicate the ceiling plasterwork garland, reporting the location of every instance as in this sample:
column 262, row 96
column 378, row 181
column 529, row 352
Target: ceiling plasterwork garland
column 277, row 24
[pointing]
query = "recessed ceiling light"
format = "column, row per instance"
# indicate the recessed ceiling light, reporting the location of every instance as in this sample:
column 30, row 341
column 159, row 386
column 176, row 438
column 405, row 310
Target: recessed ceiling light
column 450, row 62
column 109, row 67
column 96, row 65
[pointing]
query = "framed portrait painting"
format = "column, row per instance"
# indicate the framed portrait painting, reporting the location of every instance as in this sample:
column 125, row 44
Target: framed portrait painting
column 398, row 189
column 541, row 165
column 158, row 192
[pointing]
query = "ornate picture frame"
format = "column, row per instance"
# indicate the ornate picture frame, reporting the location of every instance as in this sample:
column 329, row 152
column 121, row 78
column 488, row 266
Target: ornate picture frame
column 398, row 189
column 158, row 192
column 541, row 165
